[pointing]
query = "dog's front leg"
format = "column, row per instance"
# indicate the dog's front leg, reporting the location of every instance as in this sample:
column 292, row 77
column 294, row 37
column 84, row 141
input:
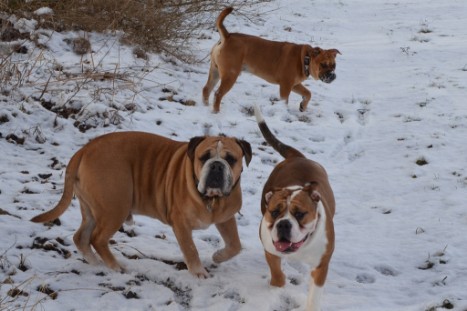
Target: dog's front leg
column 284, row 92
column 313, row 300
column 190, row 253
column 277, row 276
column 229, row 233
column 305, row 93
column 318, row 277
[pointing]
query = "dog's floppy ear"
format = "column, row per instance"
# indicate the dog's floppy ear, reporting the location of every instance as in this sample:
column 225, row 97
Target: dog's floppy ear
column 194, row 142
column 335, row 52
column 268, row 196
column 311, row 188
column 313, row 52
column 246, row 148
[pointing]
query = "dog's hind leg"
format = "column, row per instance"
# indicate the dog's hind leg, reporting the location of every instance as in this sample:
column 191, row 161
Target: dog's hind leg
column 82, row 237
column 213, row 78
column 106, row 226
column 226, row 84
column 306, row 95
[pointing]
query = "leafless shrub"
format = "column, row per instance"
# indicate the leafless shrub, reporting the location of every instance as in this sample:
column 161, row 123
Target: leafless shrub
column 159, row 26
column 167, row 27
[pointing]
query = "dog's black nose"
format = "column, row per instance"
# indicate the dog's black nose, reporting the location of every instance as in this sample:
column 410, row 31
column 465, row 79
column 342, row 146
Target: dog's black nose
column 329, row 77
column 217, row 167
column 284, row 228
column 215, row 178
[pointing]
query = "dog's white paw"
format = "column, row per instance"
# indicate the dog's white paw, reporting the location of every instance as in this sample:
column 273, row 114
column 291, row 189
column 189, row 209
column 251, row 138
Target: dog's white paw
column 117, row 267
column 91, row 258
column 200, row 272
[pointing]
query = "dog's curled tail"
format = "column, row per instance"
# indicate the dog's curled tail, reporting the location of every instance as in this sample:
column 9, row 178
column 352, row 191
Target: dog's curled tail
column 285, row 150
column 220, row 23
column 62, row 205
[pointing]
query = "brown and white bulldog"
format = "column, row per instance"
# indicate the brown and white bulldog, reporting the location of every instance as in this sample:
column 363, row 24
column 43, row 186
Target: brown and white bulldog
column 187, row 185
column 284, row 63
column 298, row 206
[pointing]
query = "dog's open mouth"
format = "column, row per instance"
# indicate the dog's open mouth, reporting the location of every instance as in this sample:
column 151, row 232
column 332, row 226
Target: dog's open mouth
column 284, row 246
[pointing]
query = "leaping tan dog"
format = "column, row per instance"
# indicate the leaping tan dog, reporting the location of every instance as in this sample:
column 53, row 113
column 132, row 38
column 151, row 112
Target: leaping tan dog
column 187, row 185
column 284, row 63
column 298, row 207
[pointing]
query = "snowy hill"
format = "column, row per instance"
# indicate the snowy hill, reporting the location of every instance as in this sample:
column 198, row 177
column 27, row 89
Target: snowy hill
column 390, row 130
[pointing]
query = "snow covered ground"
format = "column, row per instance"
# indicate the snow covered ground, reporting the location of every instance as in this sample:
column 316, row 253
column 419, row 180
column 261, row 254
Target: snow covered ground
column 390, row 130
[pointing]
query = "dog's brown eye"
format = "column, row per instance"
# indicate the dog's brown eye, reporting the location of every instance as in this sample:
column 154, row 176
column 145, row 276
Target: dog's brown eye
column 204, row 157
column 299, row 215
column 327, row 67
column 275, row 213
column 230, row 159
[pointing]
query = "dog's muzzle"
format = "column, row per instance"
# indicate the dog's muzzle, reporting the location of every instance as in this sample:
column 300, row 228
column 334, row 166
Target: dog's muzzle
column 328, row 77
column 284, row 229
column 284, row 233
column 217, row 182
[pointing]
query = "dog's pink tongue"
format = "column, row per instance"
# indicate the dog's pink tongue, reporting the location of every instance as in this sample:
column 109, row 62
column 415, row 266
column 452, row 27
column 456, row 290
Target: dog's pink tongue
column 282, row 246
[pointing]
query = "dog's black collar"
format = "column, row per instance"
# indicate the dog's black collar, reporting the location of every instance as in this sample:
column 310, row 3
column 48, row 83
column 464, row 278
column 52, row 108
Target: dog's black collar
column 306, row 65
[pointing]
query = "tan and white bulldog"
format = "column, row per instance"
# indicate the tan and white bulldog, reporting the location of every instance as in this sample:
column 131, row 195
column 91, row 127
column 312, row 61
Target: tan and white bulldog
column 298, row 206
column 187, row 185
column 284, row 63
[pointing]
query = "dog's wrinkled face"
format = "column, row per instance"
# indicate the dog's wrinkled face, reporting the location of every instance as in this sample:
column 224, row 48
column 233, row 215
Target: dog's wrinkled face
column 324, row 64
column 291, row 217
column 217, row 163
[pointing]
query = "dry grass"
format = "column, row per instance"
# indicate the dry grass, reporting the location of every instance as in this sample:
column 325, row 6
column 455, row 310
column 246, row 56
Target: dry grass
column 159, row 26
